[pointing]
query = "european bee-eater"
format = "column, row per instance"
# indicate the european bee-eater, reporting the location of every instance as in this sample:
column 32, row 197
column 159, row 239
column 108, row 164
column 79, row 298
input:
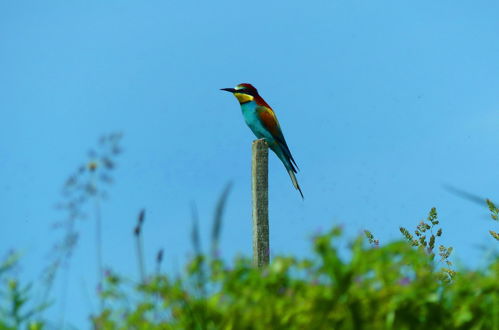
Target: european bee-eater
column 262, row 120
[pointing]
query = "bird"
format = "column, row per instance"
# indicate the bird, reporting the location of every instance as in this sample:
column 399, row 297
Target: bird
column 263, row 122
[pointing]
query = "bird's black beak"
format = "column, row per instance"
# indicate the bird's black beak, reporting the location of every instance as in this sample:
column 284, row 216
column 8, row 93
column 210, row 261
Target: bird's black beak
column 231, row 90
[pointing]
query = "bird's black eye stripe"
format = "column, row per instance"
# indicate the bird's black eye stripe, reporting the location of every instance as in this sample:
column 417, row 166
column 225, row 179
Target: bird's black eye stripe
column 247, row 91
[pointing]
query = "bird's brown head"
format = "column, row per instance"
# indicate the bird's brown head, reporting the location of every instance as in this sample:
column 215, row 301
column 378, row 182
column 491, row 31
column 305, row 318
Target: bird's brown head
column 243, row 92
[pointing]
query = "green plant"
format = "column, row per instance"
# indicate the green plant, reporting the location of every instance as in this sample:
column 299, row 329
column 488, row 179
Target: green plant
column 388, row 287
column 495, row 216
column 17, row 309
column 425, row 236
column 370, row 238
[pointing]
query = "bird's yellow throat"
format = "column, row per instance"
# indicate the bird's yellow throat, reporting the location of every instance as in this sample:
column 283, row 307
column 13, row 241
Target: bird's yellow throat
column 243, row 98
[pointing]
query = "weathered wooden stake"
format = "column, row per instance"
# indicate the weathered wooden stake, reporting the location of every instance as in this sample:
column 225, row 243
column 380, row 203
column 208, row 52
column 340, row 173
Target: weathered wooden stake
column 260, row 195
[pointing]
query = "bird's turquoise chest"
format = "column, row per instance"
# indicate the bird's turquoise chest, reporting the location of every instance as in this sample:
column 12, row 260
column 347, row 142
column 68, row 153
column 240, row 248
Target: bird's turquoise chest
column 252, row 120
column 249, row 112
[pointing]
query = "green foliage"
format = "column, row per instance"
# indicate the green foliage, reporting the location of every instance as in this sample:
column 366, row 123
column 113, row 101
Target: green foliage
column 16, row 308
column 388, row 287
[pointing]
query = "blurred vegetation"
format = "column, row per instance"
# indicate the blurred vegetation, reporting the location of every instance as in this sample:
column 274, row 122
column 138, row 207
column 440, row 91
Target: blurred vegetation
column 398, row 285
column 394, row 285
column 494, row 214
column 17, row 308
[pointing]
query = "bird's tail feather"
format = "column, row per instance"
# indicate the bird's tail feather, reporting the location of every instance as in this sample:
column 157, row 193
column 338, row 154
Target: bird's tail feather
column 295, row 182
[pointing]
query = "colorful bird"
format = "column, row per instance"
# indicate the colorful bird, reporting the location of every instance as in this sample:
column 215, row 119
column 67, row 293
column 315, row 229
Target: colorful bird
column 262, row 120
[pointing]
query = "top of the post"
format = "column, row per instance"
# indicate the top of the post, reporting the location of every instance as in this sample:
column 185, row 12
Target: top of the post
column 260, row 143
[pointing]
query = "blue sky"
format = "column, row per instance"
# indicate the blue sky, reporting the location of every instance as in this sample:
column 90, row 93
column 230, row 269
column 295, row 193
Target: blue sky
column 381, row 102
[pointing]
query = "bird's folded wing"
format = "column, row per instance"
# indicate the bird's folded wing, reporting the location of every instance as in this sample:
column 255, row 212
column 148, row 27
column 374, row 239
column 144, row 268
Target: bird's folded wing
column 269, row 121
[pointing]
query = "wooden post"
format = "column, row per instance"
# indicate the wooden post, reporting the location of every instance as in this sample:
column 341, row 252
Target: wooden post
column 260, row 195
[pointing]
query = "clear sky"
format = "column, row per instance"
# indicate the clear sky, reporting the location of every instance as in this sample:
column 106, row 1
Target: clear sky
column 381, row 102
